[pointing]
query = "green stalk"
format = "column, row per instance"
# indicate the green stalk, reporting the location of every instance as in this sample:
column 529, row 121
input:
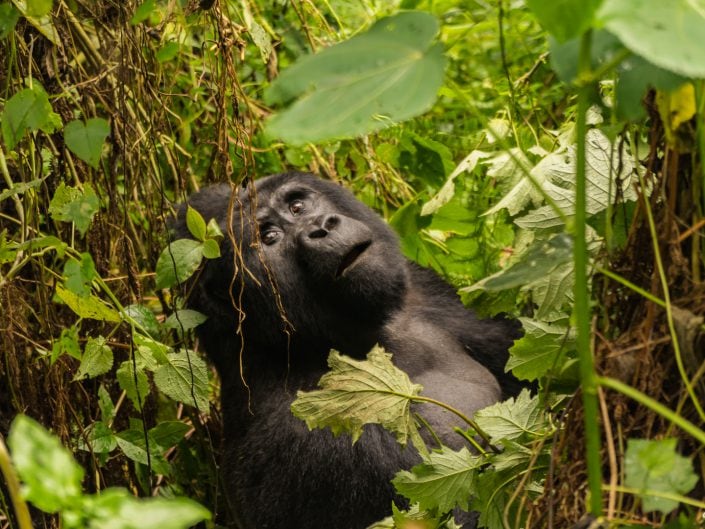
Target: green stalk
column 588, row 378
column 24, row 521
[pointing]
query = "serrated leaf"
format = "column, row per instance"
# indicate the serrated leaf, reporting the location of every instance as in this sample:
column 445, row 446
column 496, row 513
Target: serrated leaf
column 105, row 403
column 195, row 224
column 358, row 392
column 385, row 75
column 150, row 353
column 86, row 140
column 184, row 378
column 669, row 33
column 134, row 383
column 117, row 509
column 168, row 433
column 184, row 319
column 539, row 350
column 145, row 318
column 97, row 359
column 512, row 419
column 27, row 109
column 656, row 466
column 87, row 307
column 98, row 438
column 51, row 477
column 67, row 343
column 606, row 164
column 70, row 204
column 178, row 262
column 540, row 259
column 443, row 481
column 565, row 19
column 553, row 294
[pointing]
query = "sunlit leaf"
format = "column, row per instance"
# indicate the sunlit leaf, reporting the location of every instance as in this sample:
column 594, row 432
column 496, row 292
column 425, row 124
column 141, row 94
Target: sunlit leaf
column 358, row 392
column 513, row 418
column 70, row 204
column 50, row 476
column 87, row 307
column 656, row 466
column 385, row 75
column 184, row 378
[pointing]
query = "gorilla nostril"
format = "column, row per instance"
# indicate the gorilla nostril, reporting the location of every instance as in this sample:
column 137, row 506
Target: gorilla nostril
column 317, row 234
column 331, row 222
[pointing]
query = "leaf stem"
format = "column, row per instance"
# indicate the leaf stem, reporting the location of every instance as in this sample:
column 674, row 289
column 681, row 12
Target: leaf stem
column 588, row 377
column 24, row 521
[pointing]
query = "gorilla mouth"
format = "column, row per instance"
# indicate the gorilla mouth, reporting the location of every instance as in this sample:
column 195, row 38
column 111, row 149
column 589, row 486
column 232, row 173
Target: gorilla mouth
column 351, row 257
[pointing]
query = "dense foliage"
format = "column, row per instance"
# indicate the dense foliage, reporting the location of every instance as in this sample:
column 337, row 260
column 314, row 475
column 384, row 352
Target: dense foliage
column 544, row 157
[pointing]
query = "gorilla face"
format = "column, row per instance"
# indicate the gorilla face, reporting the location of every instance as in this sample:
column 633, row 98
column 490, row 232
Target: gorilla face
column 311, row 254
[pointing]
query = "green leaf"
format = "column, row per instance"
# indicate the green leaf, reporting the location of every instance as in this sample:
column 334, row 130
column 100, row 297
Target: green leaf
column 105, row 403
column 184, row 378
column 185, row 319
column 150, row 352
column 443, row 481
column 20, row 188
column 538, row 261
column 67, row 343
column 168, row 433
column 195, row 224
column 539, row 350
column 27, row 109
column 38, row 8
column 667, row 33
column 8, row 19
column 87, row 307
column 178, row 262
column 50, row 476
column 134, row 383
column 98, row 438
column 211, row 249
column 565, row 19
column 359, row 392
column 133, row 444
column 168, row 51
column 513, row 418
column 86, row 139
column 117, row 509
column 145, row 318
column 97, row 359
column 143, row 12
column 656, row 466
column 79, row 275
column 213, row 231
column 70, row 204
column 388, row 74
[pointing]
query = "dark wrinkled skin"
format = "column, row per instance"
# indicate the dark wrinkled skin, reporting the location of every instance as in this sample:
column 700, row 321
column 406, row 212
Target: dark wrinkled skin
column 342, row 283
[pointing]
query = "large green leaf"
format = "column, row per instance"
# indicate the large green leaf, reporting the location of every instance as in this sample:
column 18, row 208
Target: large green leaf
column 358, row 392
column 385, row 75
column 133, row 382
column 51, row 477
column 538, row 351
column 71, row 204
column 668, row 33
column 87, row 307
column 27, row 109
column 178, row 262
column 184, row 378
column 97, row 359
column 86, row 139
column 443, row 481
column 513, row 418
column 564, row 19
column 656, row 466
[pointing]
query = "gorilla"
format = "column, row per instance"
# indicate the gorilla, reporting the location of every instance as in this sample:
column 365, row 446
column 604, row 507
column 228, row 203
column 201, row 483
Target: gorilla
column 313, row 269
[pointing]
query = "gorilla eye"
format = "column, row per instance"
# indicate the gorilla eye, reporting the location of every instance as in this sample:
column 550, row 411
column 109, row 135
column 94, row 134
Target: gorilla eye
column 297, row 207
column 269, row 236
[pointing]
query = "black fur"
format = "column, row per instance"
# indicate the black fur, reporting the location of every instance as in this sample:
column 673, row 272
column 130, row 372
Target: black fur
column 304, row 281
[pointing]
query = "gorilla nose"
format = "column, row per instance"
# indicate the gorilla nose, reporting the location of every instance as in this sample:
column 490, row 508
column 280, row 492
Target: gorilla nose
column 323, row 225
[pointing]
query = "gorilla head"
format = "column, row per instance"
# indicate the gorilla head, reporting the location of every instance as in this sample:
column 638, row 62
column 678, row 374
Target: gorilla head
column 306, row 267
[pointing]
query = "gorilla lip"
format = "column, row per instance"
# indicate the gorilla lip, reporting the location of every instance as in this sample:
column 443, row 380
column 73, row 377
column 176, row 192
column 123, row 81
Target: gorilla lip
column 351, row 257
